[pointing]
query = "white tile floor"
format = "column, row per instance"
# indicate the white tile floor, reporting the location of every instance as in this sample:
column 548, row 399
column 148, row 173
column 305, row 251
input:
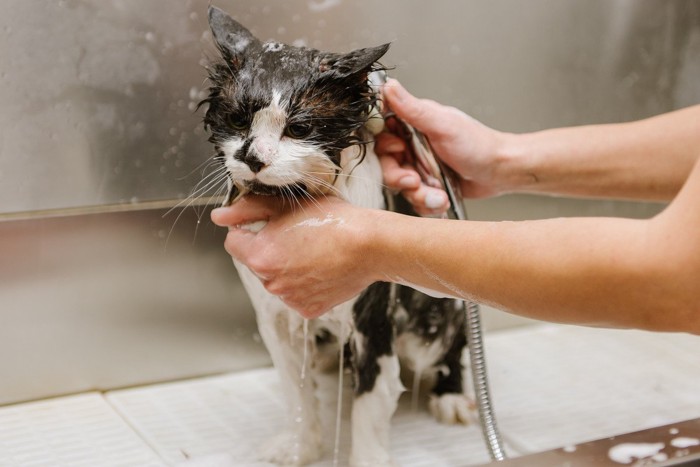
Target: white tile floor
column 552, row 386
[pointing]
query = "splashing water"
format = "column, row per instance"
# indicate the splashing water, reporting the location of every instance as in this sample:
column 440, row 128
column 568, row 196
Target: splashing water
column 306, row 352
column 339, row 408
column 300, row 411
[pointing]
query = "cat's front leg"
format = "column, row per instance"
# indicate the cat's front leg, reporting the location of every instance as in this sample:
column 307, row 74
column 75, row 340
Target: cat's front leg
column 371, row 417
column 377, row 380
column 291, row 349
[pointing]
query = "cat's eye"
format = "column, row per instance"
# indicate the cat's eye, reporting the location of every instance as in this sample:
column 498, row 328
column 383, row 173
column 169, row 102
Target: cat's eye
column 298, row 130
column 237, row 122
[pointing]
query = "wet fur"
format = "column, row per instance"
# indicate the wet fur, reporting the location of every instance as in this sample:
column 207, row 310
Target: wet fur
column 252, row 87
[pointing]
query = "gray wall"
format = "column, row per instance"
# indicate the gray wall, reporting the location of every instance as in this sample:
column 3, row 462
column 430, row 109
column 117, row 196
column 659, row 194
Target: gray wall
column 98, row 138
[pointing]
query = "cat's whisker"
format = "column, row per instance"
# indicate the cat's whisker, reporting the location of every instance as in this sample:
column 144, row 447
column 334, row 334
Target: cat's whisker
column 210, row 161
column 320, row 181
column 322, row 184
column 192, row 199
column 292, row 197
column 208, row 180
column 198, row 191
column 347, row 175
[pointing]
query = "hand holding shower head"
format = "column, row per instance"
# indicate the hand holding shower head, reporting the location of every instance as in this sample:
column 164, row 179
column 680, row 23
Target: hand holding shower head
column 432, row 171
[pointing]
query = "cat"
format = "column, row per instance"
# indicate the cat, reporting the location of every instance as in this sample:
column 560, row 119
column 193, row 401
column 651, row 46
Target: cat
column 291, row 122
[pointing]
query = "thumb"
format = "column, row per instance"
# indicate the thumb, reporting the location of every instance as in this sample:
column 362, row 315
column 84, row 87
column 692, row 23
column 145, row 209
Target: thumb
column 422, row 114
column 247, row 210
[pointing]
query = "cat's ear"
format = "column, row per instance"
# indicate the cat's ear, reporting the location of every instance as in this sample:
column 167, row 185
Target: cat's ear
column 351, row 63
column 232, row 38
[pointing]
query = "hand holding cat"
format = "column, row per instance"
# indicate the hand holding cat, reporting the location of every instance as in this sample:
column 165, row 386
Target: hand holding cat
column 305, row 254
column 465, row 144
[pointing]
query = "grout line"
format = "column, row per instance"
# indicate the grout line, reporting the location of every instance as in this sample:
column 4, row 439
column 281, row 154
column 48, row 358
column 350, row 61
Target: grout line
column 133, row 427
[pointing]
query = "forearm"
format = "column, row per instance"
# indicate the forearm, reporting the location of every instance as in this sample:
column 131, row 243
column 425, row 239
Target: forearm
column 647, row 159
column 601, row 272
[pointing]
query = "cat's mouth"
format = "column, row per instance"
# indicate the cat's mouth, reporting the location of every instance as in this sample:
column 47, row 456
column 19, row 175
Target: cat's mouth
column 295, row 190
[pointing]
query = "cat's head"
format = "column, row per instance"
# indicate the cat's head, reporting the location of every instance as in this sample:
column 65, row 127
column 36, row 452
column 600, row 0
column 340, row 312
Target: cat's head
column 280, row 115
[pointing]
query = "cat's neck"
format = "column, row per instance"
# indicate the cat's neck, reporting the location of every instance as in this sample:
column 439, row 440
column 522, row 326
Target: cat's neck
column 361, row 184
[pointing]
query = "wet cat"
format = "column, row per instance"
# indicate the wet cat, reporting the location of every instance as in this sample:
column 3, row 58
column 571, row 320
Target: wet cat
column 290, row 121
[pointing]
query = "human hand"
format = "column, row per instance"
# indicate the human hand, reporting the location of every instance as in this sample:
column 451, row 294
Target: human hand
column 307, row 255
column 470, row 148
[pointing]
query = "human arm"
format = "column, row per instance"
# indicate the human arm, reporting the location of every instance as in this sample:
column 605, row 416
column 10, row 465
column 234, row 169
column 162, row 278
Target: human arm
column 607, row 272
column 592, row 271
column 646, row 159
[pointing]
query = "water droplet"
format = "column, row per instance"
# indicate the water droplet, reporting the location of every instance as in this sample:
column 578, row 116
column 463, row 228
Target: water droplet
column 150, row 36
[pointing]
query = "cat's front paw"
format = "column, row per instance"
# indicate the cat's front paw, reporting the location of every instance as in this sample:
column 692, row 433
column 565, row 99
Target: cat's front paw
column 292, row 449
column 452, row 408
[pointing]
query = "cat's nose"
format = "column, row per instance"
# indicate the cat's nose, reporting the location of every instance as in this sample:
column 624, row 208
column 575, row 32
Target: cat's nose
column 253, row 162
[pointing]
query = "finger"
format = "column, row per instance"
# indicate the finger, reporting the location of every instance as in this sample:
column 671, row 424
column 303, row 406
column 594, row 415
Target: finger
column 238, row 245
column 388, row 143
column 249, row 209
column 427, row 200
column 397, row 177
column 423, row 114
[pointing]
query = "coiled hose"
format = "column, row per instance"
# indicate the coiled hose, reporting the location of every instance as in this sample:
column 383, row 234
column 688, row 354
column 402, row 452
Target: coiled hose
column 477, row 361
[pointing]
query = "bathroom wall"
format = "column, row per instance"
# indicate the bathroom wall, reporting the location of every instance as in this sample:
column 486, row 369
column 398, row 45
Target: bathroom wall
column 103, row 284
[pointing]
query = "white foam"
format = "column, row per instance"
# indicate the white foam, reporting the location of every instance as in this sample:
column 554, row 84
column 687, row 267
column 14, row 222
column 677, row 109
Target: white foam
column 254, row 227
column 625, row 453
column 317, row 222
column 683, row 442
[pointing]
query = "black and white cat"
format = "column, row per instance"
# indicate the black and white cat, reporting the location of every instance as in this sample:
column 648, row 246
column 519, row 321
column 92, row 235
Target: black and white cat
column 290, row 121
